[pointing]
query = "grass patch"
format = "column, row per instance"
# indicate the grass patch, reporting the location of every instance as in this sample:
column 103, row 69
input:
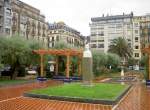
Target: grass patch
column 101, row 91
column 5, row 82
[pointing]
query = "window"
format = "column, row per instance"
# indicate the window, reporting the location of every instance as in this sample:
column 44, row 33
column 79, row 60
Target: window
column 7, row 31
column 100, row 45
column 52, row 38
column 100, row 40
column 93, row 40
column 8, row 22
column 136, row 31
column 119, row 26
column 136, row 24
column 136, row 39
column 128, row 26
column 136, row 54
column 101, row 33
column 136, row 47
column 93, row 46
column 57, row 38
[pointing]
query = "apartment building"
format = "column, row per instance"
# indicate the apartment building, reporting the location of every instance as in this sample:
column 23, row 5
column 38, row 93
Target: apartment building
column 106, row 28
column 1, row 16
column 28, row 22
column 5, row 17
column 145, row 30
column 61, row 32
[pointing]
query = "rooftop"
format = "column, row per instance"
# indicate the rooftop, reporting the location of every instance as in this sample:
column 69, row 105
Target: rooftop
column 104, row 18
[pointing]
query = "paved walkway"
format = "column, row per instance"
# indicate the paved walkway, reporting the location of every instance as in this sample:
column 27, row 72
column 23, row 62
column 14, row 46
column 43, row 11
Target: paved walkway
column 16, row 91
column 23, row 103
column 11, row 99
column 138, row 98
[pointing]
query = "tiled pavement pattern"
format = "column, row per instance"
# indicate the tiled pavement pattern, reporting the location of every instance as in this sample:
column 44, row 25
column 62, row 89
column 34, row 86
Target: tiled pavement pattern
column 15, row 91
column 34, row 104
column 9, row 102
column 137, row 99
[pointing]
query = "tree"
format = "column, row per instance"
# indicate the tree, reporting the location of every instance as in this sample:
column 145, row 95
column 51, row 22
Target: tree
column 16, row 51
column 120, row 47
column 131, row 61
column 102, row 61
column 62, row 45
column 99, row 62
column 113, row 60
column 62, row 59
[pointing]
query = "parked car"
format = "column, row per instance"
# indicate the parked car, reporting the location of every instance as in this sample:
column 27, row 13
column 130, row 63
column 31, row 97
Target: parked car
column 32, row 71
column 6, row 71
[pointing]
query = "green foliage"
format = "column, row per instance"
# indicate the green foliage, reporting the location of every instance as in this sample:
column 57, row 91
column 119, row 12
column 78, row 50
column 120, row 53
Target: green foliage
column 61, row 45
column 62, row 59
column 113, row 60
column 101, row 91
column 102, row 62
column 144, row 63
column 17, row 51
column 120, row 47
column 131, row 61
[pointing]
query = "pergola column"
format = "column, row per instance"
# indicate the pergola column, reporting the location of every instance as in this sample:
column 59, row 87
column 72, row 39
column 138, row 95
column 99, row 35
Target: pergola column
column 56, row 71
column 42, row 67
column 149, row 66
column 67, row 66
column 79, row 66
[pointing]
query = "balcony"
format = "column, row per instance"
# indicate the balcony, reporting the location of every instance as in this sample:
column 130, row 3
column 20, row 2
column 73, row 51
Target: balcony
column 1, row 3
column 1, row 11
column 1, row 22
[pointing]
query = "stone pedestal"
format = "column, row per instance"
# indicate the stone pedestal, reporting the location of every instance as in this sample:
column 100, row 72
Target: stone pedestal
column 87, row 65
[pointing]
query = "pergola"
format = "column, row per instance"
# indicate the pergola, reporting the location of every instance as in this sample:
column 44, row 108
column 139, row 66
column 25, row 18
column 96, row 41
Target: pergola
column 147, row 50
column 60, row 52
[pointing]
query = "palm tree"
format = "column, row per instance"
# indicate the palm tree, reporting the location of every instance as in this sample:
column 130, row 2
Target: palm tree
column 120, row 47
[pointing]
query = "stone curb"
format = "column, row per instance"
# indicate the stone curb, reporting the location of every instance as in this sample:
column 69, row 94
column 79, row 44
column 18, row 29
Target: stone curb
column 76, row 99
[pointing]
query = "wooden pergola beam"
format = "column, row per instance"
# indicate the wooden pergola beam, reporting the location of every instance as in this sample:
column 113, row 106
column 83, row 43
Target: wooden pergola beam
column 68, row 66
column 42, row 66
column 61, row 52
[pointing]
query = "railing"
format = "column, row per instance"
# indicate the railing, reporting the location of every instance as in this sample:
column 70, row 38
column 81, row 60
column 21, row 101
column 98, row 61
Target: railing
column 1, row 12
column 1, row 3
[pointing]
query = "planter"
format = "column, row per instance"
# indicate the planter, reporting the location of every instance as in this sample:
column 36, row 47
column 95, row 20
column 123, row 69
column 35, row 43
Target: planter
column 67, row 80
column 147, row 82
column 41, row 78
column 78, row 99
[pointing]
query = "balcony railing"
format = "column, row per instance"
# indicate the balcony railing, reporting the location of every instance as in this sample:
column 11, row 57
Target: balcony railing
column 1, row 12
column 1, row 3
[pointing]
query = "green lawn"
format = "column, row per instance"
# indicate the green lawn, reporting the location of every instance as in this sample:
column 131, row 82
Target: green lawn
column 4, row 82
column 98, row 91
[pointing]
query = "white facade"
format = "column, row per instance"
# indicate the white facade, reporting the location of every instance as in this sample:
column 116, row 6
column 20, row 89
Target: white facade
column 105, row 29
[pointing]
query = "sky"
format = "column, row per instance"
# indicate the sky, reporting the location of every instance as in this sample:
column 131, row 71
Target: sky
column 78, row 13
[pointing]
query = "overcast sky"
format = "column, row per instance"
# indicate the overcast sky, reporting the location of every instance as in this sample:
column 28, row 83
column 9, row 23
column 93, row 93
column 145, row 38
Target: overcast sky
column 77, row 13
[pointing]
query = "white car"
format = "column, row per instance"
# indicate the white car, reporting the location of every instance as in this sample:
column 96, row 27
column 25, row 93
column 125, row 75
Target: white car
column 31, row 72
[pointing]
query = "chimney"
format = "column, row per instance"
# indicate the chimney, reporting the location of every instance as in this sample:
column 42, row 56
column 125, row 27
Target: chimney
column 131, row 13
column 103, row 15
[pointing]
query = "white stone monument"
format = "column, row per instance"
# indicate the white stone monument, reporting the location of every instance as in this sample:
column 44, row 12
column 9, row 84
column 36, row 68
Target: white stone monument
column 87, row 66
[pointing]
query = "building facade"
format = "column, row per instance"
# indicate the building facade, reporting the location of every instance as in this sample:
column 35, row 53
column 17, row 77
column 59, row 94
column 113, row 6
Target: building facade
column 28, row 22
column 61, row 32
column 145, row 31
column 5, row 17
column 106, row 28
